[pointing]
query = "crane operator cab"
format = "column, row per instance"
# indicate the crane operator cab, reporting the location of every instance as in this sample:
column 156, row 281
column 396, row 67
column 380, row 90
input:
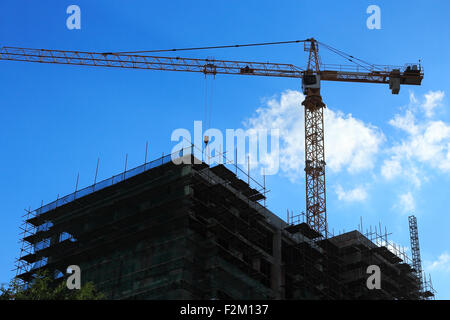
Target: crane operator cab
column 310, row 81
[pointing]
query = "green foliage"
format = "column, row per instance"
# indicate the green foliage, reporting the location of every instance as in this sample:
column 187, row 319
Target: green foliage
column 45, row 288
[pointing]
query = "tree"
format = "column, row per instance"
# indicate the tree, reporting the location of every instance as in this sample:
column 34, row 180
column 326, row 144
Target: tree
column 44, row 287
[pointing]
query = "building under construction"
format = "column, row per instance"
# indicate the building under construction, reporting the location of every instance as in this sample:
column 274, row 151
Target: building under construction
column 194, row 231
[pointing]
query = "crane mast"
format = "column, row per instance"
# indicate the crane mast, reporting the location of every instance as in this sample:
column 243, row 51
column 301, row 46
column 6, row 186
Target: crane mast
column 314, row 73
column 316, row 204
column 415, row 248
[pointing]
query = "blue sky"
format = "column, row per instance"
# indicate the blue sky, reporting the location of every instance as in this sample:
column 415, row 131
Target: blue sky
column 388, row 155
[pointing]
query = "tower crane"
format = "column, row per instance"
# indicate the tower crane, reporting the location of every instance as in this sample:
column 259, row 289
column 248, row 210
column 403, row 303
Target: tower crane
column 311, row 76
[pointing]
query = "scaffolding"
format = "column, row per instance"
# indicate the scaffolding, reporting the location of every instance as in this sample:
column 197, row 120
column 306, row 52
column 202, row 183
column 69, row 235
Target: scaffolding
column 188, row 230
column 36, row 223
column 351, row 254
column 42, row 226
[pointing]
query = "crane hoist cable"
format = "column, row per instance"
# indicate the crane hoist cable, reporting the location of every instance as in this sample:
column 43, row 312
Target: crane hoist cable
column 209, row 90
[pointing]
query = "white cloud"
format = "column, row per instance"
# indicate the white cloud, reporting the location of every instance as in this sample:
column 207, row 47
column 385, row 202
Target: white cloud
column 405, row 122
column 441, row 264
column 412, row 97
column 391, row 168
column 351, row 144
column 287, row 116
column 406, row 203
column 427, row 141
column 432, row 100
column 357, row 194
